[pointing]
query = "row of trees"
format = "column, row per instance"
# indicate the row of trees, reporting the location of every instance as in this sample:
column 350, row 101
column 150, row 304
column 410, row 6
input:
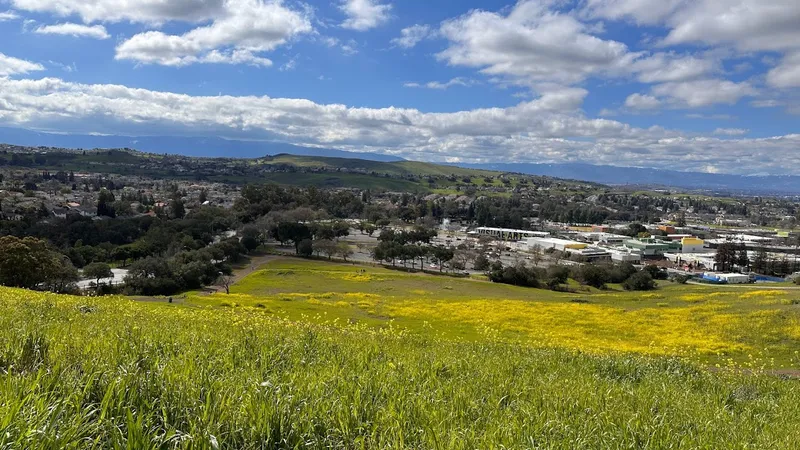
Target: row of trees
column 594, row 275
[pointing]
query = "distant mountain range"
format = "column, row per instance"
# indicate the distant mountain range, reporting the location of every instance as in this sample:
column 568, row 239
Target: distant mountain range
column 620, row 176
column 611, row 175
column 182, row 145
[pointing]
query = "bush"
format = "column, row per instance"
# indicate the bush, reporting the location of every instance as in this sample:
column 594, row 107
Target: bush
column 656, row 273
column 640, row 281
column 592, row 275
column 305, row 248
column 481, row 263
column 516, row 275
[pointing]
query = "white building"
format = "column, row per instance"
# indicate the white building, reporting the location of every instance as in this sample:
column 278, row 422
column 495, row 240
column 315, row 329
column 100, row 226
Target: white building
column 561, row 245
column 508, row 234
column 625, row 255
column 734, row 278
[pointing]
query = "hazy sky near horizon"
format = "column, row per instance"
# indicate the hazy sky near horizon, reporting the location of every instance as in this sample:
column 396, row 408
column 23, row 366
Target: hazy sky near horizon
column 699, row 85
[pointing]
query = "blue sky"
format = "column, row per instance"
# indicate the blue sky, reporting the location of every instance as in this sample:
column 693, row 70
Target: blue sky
column 700, row 85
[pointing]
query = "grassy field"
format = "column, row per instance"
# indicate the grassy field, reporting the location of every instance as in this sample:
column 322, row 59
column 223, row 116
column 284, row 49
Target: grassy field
column 748, row 327
column 112, row 373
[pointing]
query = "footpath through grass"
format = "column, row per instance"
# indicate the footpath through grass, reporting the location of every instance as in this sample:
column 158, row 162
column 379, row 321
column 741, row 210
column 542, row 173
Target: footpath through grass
column 751, row 328
column 112, row 373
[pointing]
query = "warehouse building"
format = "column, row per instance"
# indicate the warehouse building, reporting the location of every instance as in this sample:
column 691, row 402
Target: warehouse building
column 508, row 234
column 651, row 248
column 562, row 245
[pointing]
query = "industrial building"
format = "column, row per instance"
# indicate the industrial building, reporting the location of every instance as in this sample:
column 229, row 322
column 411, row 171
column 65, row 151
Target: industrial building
column 622, row 255
column 692, row 245
column 561, row 245
column 652, row 247
column 508, row 234
column 730, row 278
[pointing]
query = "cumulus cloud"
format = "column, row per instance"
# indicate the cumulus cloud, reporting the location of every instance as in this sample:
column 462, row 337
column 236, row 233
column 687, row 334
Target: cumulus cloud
column 14, row 66
column 458, row 81
column 363, row 15
column 535, row 43
column 542, row 130
column 699, row 93
column 787, row 73
column 75, row 30
column 646, row 12
column 730, row 131
column 252, row 26
column 143, row 11
column 411, row 36
column 8, row 15
column 641, row 101
column 531, row 44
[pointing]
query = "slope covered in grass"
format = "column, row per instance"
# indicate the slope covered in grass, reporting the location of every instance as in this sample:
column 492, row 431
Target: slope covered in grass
column 113, row 373
column 750, row 328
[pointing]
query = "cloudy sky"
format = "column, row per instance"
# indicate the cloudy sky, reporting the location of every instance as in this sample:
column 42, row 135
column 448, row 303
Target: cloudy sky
column 700, row 85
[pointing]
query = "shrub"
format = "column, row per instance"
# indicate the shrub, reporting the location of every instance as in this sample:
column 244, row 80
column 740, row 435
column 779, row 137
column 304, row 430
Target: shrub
column 640, row 281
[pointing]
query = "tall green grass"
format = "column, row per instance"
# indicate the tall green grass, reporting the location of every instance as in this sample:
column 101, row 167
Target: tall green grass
column 110, row 373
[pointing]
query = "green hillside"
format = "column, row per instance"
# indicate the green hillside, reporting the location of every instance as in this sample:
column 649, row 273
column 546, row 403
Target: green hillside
column 111, row 373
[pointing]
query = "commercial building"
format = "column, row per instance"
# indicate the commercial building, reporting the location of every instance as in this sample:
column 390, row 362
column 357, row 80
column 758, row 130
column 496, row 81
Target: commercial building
column 591, row 254
column 692, row 245
column 603, row 237
column 652, row 247
column 730, row 278
column 561, row 245
column 622, row 255
column 508, row 234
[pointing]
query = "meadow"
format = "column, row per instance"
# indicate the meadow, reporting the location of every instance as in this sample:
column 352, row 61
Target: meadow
column 749, row 327
column 114, row 373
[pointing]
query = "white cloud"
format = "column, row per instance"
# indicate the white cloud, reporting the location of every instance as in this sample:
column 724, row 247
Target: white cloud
column 8, row 15
column 246, row 28
column 731, row 131
column 75, row 30
column 532, row 44
column 363, row 15
column 14, row 66
column 700, row 93
column 143, row 11
column 787, row 73
column 664, row 67
column 642, row 11
column 458, row 81
column 349, row 48
column 542, row 130
column 411, row 36
column 640, row 101
column 747, row 24
column 289, row 65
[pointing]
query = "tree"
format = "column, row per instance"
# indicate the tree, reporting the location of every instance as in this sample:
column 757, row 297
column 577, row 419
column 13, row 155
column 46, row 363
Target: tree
column 225, row 281
column 556, row 276
column 343, row 250
column 656, row 273
column 742, row 259
column 104, row 201
column 760, row 261
column 640, row 281
column 98, row 271
column 325, row 246
column 481, row 263
column 177, row 208
column 26, row 262
column 726, row 256
column 251, row 237
column 62, row 277
column 593, row 275
column 305, row 248
column 442, row 256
